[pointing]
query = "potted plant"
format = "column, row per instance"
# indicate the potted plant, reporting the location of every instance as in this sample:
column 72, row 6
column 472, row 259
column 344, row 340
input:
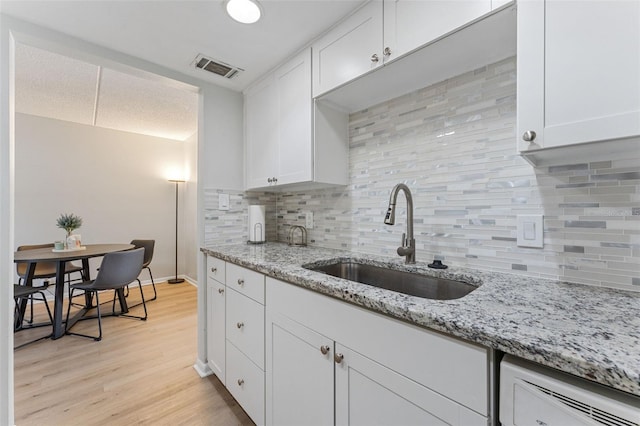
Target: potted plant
column 69, row 222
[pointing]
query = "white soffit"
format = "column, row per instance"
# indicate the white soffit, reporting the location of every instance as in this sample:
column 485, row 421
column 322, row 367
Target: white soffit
column 59, row 87
column 54, row 86
column 142, row 106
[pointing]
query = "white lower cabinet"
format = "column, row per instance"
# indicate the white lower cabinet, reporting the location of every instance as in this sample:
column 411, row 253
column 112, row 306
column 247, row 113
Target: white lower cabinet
column 368, row 393
column 300, row 370
column 235, row 333
column 328, row 361
column 245, row 326
column 291, row 356
column 216, row 308
column 245, row 381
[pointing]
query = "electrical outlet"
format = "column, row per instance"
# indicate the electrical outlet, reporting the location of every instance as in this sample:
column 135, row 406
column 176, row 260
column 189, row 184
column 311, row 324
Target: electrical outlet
column 530, row 230
column 309, row 220
column 223, row 202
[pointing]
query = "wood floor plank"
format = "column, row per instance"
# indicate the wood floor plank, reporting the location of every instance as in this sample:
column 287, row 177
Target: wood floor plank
column 140, row 373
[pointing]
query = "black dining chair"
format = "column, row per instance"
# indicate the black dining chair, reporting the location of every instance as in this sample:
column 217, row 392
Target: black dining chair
column 148, row 246
column 44, row 271
column 27, row 292
column 118, row 270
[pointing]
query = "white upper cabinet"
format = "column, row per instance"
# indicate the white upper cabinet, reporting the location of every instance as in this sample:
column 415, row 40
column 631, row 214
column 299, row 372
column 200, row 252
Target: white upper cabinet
column 351, row 49
column 408, row 24
column 293, row 83
column 261, row 130
column 578, row 76
column 383, row 31
column 290, row 139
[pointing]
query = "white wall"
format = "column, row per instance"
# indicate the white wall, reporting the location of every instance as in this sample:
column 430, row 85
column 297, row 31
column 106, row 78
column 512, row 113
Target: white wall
column 220, row 162
column 188, row 260
column 116, row 181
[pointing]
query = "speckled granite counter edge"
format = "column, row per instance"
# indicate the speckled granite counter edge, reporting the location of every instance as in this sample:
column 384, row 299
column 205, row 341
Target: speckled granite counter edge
column 449, row 317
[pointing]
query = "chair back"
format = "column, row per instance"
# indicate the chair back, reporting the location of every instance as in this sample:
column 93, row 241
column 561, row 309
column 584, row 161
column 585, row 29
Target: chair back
column 119, row 269
column 43, row 269
column 148, row 246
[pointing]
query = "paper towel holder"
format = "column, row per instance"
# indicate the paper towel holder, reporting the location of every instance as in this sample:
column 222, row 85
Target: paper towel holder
column 257, row 230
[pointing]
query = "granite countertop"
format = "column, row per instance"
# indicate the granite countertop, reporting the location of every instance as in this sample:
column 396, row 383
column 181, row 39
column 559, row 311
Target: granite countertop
column 591, row 332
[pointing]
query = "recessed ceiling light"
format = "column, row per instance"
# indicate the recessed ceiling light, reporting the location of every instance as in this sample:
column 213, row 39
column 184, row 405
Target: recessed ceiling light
column 244, row 11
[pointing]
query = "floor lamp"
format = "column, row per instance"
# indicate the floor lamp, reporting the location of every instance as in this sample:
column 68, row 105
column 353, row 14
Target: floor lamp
column 176, row 280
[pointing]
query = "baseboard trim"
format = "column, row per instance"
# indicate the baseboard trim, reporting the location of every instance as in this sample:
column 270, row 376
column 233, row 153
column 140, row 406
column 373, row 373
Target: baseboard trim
column 202, row 368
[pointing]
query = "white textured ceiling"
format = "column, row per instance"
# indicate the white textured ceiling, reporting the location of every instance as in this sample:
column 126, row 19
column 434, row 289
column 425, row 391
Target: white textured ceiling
column 165, row 32
column 171, row 33
column 55, row 86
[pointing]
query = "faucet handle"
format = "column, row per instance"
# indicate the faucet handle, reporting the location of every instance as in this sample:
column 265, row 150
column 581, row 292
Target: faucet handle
column 404, row 240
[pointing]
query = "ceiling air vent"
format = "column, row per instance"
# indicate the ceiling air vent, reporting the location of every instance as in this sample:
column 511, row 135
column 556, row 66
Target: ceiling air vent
column 216, row 67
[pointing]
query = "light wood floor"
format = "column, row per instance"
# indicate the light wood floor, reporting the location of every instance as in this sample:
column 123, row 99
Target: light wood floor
column 140, row 373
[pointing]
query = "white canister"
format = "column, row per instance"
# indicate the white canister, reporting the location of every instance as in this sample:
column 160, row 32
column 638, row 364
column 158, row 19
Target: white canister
column 257, row 229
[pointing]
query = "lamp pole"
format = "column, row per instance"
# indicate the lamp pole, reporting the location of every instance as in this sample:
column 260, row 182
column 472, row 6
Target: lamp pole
column 176, row 280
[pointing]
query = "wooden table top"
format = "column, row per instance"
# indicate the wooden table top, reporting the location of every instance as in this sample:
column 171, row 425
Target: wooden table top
column 47, row 255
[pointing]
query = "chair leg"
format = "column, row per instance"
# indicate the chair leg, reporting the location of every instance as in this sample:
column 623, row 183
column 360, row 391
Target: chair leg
column 99, row 337
column 144, row 305
column 153, row 284
column 46, row 305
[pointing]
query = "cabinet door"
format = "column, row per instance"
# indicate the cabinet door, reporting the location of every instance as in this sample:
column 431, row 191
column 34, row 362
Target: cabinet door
column 261, row 127
column 216, row 327
column 409, row 24
column 346, row 52
column 299, row 374
column 578, row 68
column 368, row 393
column 293, row 82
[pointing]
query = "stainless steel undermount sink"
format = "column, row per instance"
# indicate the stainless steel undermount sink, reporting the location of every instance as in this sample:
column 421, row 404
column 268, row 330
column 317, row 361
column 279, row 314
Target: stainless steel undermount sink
column 400, row 281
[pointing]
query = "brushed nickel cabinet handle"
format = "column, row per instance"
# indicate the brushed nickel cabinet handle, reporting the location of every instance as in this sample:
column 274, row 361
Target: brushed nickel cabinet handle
column 325, row 349
column 387, row 51
column 529, row 136
column 374, row 58
column 338, row 358
column 240, row 325
column 240, row 281
column 214, row 270
column 240, row 382
column 221, row 290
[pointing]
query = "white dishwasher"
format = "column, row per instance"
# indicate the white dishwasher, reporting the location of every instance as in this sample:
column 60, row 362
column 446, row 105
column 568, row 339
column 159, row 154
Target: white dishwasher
column 531, row 394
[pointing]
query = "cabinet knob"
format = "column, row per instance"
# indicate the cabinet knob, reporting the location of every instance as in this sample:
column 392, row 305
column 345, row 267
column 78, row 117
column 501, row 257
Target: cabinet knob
column 338, row 358
column 325, row 349
column 240, row 281
column 374, row 58
column 240, row 382
column 269, row 180
column 214, row 270
column 387, row 51
column 274, row 179
column 529, row 136
column 221, row 290
column 240, row 325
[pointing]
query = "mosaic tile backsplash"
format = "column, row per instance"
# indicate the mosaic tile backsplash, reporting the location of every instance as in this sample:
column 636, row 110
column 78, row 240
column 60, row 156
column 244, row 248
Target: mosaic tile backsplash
column 453, row 144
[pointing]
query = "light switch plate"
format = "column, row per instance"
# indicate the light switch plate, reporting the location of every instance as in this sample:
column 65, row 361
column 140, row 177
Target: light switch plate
column 223, row 202
column 530, row 230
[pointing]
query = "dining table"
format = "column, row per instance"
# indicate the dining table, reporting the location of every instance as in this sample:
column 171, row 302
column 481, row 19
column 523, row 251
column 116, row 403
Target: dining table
column 60, row 258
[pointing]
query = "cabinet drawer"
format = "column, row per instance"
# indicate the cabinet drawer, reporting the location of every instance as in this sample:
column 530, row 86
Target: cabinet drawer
column 245, row 381
column 246, row 281
column 215, row 269
column 245, row 326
